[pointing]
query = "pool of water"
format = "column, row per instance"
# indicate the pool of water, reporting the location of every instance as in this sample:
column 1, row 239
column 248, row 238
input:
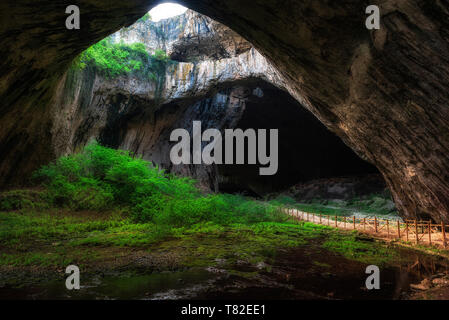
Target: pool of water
column 301, row 273
column 127, row 285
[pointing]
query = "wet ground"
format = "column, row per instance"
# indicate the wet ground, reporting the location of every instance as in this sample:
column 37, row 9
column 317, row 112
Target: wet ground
column 300, row 273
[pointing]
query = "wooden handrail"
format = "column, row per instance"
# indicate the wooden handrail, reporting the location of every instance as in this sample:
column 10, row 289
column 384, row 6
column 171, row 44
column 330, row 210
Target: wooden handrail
column 424, row 231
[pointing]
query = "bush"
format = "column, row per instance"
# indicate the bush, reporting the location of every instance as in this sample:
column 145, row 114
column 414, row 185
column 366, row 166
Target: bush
column 145, row 18
column 89, row 194
column 148, row 208
column 22, row 199
column 100, row 177
column 116, row 59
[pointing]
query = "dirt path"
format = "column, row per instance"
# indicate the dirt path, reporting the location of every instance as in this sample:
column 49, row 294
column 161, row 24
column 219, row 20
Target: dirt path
column 410, row 231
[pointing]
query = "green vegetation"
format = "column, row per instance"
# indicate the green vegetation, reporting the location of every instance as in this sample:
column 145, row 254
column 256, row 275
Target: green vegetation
column 55, row 237
column 21, row 199
column 358, row 248
column 89, row 205
column 145, row 18
column 370, row 204
column 115, row 59
column 100, row 178
column 107, row 210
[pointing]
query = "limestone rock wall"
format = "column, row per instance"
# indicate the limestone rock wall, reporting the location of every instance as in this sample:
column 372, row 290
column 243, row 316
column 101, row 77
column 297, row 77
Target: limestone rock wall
column 241, row 88
column 138, row 114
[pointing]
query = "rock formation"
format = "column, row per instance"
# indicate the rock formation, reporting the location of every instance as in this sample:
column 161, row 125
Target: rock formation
column 227, row 86
column 383, row 92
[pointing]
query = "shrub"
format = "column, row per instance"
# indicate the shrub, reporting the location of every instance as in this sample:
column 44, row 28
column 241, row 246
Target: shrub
column 148, row 208
column 22, row 199
column 89, row 194
column 100, row 177
column 145, row 18
column 115, row 59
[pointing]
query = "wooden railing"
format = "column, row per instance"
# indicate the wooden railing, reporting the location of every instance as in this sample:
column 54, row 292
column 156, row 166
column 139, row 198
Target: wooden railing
column 419, row 232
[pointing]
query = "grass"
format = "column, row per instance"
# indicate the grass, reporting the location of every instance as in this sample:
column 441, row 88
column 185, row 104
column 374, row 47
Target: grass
column 361, row 249
column 30, row 238
column 105, row 207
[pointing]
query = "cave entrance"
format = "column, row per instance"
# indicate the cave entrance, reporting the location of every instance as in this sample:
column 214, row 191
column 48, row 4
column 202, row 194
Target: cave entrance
column 307, row 149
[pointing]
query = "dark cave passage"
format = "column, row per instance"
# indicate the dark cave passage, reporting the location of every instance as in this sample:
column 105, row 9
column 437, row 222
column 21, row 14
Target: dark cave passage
column 307, row 149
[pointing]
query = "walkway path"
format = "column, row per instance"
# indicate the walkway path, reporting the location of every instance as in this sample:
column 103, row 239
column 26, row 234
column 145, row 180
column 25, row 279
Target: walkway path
column 413, row 231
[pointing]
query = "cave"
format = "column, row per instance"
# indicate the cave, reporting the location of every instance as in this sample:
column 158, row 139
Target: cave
column 249, row 104
column 307, row 149
column 383, row 92
column 87, row 177
column 132, row 113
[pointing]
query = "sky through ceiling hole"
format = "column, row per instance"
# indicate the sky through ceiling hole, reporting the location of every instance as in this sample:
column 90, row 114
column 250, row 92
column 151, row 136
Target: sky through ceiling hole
column 166, row 10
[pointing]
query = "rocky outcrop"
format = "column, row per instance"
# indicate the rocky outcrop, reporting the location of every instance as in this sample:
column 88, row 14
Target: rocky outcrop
column 385, row 92
column 190, row 37
column 138, row 114
column 86, row 102
column 241, row 104
column 341, row 188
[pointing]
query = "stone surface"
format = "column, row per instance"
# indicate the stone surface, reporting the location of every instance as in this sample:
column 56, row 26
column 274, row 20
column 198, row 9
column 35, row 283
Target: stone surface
column 385, row 92
column 190, row 37
column 138, row 114
column 342, row 188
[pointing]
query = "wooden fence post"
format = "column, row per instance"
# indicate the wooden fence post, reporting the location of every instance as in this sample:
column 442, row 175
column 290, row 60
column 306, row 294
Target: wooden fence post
column 320, row 218
column 406, row 231
column 375, row 224
column 344, row 222
column 336, row 223
column 399, row 230
column 443, row 231
column 364, row 223
column 328, row 220
column 353, row 222
column 388, row 229
column 416, row 232
column 430, row 232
